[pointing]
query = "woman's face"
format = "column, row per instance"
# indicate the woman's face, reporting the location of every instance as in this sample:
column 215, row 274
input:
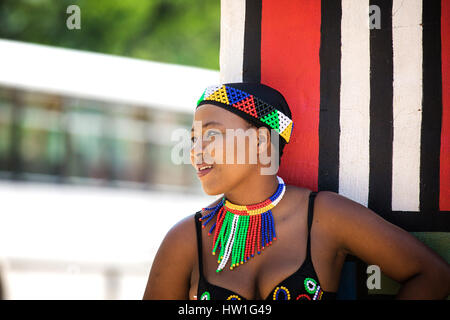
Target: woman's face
column 216, row 132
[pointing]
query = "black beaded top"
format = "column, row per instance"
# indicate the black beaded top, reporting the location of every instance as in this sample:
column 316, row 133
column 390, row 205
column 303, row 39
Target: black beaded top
column 303, row 284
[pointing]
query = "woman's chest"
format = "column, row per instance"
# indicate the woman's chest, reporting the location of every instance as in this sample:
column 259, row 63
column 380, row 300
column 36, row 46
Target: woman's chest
column 259, row 276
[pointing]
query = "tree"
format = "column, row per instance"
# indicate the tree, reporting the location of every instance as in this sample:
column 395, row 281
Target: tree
column 175, row 31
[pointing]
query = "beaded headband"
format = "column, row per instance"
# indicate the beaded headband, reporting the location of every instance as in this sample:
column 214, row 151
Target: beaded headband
column 251, row 105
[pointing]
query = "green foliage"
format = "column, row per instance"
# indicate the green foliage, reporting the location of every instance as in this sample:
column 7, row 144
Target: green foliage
column 175, row 31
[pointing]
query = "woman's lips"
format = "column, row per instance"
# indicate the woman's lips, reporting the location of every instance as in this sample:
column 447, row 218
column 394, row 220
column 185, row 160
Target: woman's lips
column 201, row 173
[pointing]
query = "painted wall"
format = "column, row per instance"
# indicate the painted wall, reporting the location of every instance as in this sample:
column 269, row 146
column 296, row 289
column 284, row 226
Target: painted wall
column 371, row 106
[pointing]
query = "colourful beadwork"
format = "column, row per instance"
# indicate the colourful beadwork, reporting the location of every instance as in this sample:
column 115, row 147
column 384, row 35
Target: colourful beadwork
column 234, row 297
column 284, row 290
column 251, row 105
column 310, row 285
column 303, row 297
column 205, row 296
column 318, row 293
column 242, row 231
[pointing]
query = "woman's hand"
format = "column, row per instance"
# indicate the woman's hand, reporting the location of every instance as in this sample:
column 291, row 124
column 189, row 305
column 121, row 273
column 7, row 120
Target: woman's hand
column 402, row 257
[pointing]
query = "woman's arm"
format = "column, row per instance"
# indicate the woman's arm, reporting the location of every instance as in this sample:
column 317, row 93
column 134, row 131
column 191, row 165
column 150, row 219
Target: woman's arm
column 170, row 274
column 361, row 232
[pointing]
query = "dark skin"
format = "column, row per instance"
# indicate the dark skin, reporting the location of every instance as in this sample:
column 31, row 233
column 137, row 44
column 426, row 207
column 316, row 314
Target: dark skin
column 340, row 227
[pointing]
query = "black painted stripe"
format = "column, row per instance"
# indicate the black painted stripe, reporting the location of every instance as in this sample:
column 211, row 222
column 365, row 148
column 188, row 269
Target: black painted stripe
column 381, row 111
column 421, row 222
column 438, row 221
column 330, row 89
column 252, row 42
column 431, row 109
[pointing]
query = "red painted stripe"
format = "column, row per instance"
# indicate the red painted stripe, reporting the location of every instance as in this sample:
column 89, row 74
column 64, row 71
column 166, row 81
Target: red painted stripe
column 290, row 43
column 444, row 194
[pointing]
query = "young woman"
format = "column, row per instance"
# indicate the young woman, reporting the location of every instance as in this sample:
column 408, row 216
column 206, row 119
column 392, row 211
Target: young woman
column 263, row 239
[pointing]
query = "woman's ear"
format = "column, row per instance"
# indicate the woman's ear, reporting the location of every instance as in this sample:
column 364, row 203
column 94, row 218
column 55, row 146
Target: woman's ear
column 263, row 140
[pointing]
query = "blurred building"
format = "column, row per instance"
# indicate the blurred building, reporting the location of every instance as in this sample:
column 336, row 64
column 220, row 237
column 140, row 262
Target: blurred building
column 87, row 185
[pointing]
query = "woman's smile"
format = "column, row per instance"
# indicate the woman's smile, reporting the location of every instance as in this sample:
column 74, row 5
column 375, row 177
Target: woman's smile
column 203, row 170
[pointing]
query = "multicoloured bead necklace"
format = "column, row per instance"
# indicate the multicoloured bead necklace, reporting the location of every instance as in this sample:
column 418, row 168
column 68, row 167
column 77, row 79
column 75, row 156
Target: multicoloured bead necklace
column 242, row 230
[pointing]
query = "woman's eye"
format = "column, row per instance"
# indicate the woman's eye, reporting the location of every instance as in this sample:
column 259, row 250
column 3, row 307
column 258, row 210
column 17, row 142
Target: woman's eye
column 207, row 134
column 210, row 133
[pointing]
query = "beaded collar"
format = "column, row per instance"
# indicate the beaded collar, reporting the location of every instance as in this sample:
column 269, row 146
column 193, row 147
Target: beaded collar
column 242, row 231
column 234, row 99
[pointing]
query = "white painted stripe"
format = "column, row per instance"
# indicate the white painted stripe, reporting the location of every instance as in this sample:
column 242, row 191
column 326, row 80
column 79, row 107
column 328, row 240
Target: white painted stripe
column 354, row 101
column 232, row 27
column 407, row 46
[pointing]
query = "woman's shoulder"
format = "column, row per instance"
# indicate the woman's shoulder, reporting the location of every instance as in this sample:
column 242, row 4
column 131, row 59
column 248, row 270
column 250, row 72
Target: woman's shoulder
column 323, row 198
column 183, row 236
column 184, row 231
column 335, row 214
column 176, row 256
column 296, row 196
column 325, row 202
column 180, row 239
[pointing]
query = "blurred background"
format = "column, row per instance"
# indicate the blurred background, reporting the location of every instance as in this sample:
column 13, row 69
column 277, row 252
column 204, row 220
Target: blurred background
column 87, row 186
